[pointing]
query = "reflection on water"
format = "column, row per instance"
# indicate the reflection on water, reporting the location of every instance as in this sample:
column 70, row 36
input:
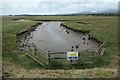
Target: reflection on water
column 51, row 37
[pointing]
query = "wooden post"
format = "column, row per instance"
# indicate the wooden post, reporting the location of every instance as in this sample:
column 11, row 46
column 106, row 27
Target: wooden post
column 71, row 61
column 48, row 57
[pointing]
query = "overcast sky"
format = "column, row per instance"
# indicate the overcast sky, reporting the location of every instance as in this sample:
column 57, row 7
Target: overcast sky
column 42, row 7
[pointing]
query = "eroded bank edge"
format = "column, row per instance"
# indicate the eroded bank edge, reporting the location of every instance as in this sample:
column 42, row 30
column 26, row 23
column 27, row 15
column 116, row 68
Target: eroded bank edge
column 32, row 28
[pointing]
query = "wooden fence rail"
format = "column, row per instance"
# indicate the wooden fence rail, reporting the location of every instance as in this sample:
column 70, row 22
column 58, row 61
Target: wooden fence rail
column 49, row 56
column 99, row 51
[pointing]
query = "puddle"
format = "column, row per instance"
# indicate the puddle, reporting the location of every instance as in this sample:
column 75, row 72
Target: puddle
column 84, row 23
column 21, row 19
column 52, row 37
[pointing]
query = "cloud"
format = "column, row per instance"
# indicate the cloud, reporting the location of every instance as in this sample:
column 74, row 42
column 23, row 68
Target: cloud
column 61, row 1
column 56, row 7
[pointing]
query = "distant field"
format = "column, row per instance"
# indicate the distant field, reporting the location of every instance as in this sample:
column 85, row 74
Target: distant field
column 101, row 27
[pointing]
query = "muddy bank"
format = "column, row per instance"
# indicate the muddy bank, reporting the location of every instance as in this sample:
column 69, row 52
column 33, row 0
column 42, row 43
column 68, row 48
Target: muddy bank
column 27, row 31
column 83, row 31
column 73, row 29
column 22, row 36
column 54, row 37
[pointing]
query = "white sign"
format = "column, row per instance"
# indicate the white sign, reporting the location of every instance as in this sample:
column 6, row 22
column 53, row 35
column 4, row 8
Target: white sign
column 72, row 55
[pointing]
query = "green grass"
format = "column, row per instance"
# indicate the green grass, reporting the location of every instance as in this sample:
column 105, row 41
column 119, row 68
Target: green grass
column 10, row 52
column 100, row 73
column 103, row 28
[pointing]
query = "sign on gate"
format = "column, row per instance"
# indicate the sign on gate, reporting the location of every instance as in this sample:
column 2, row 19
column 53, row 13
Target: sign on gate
column 72, row 55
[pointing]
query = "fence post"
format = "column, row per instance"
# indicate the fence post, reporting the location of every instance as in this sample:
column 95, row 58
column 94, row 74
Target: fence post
column 71, row 61
column 49, row 57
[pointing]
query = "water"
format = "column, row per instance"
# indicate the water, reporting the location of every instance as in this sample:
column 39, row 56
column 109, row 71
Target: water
column 53, row 38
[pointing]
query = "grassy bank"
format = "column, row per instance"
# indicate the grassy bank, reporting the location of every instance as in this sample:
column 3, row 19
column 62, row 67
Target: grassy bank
column 103, row 28
column 12, row 71
column 10, row 52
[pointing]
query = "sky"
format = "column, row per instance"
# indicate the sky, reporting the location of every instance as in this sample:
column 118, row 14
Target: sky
column 47, row 7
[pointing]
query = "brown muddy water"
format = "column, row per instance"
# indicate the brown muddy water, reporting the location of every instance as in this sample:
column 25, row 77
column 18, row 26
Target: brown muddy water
column 52, row 37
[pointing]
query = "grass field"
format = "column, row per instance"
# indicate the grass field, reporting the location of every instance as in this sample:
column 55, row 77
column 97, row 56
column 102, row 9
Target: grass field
column 103, row 28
